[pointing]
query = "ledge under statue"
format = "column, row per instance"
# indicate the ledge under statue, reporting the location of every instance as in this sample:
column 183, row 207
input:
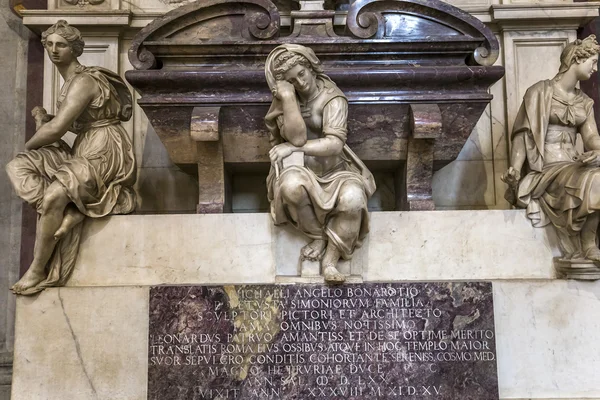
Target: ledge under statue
column 316, row 182
column 548, row 175
column 93, row 178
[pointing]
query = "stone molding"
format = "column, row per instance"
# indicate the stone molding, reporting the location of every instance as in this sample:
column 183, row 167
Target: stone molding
column 497, row 16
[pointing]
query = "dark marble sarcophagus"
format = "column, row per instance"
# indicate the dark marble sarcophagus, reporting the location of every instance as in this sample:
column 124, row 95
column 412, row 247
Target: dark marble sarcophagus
column 416, row 74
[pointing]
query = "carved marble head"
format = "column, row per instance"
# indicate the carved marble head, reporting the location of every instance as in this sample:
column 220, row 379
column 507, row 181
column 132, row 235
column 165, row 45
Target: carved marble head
column 286, row 61
column 287, row 56
column 69, row 33
column 577, row 52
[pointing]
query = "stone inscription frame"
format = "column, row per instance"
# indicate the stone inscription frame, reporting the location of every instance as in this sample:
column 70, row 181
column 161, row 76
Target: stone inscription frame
column 357, row 341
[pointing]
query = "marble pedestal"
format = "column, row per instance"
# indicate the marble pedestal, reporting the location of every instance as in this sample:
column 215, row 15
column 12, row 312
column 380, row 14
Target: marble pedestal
column 89, row 340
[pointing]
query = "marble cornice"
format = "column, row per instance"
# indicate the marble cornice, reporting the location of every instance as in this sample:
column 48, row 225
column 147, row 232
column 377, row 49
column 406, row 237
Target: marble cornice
column 548, row 16
column 500, row 17
column 107, row 20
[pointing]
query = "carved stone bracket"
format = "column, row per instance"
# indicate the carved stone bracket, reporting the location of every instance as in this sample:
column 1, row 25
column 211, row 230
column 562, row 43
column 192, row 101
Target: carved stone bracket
column 204, row 125
column 212, row 188
column 426, row 127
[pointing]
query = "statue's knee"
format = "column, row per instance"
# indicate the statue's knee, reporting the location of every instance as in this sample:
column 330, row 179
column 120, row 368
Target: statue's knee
column 292, row 188
column 352, row 198
column 54, row 197
column 14, row 166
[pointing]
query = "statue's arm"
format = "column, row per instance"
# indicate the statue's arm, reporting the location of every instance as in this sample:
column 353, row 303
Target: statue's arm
column 293, row 123
column 589, row 133
column 335, row 117
column 518, row 153
column 80, row 94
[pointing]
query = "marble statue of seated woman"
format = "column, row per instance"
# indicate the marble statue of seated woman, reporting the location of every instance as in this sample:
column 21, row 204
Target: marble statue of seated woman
column 65, row 184
column 324, row 196
column 548, row 176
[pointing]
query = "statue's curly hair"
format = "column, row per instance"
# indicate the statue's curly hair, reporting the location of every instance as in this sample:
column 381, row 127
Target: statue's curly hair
column 69, row 33
column 286, row 61
column 578, row 50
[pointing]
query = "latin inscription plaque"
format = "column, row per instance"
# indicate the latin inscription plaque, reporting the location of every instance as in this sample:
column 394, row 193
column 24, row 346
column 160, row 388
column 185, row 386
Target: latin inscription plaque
column 363, row 341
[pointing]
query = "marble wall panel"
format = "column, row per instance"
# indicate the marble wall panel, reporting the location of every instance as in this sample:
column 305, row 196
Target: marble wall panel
column 545, row 331
column 479, row 146
column 471, row 3
column 524, row 2
column 13, row 81
column 465, row 184
column 530, row 56
column 177, row 249
column 82, row 344
column 547, row 342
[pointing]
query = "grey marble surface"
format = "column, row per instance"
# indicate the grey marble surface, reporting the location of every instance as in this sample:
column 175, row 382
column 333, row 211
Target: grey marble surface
column 420, row 340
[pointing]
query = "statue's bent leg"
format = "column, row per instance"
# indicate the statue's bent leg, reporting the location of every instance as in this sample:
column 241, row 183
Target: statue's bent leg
column 52, row 213
column 588, row 237
column 590, row 227
column 344, row 225
column 346, row 220
column 302, row 213
column 72, row 217
column 28, row 181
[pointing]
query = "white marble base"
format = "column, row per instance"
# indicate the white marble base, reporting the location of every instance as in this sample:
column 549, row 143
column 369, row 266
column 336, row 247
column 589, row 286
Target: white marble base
column 85, row 342
column 234, row 248
column 91, row 343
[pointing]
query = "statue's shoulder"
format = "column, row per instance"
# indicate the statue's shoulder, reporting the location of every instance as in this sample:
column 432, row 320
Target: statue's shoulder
column 539, row 87
column 331, row 90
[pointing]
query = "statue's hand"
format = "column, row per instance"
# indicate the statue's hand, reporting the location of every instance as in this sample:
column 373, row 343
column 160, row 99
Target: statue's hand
column 511, row 177
column 285, row 90
column 38, row 111
column 281, row 151
column 590, row 158
column 40, row 116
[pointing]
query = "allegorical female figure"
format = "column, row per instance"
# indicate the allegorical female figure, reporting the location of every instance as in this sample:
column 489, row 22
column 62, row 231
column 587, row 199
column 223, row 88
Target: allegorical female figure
column 94, row 178
column 325, row 194
column 548, row 175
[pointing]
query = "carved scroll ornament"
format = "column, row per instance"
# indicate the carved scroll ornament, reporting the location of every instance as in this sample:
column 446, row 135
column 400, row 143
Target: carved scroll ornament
column 261, row 22
column 366, row 20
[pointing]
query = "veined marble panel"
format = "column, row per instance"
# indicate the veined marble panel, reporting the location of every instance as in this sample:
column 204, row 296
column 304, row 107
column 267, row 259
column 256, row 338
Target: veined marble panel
column 84, row 344
column 91, row 343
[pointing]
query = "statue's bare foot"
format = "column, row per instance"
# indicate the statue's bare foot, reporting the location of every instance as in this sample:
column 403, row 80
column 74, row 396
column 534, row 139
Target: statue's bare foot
column 330, row 260
column 333, row 276
column 31, row 278
column 72, row 217
column 314, row 250
column 592, row 254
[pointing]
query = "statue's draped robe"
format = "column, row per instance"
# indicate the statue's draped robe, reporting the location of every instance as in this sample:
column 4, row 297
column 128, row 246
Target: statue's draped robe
column 560, row 192
column 98, row 172
column 323, row 187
